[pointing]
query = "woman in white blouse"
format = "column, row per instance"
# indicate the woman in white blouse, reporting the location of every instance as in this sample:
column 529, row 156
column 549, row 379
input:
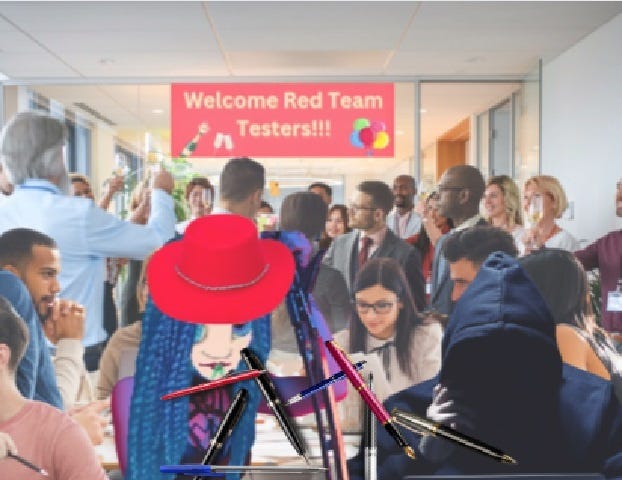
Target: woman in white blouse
column 546, row 232
column 502, row 206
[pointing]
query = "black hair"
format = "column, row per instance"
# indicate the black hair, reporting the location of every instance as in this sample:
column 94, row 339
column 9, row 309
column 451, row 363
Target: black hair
column 240, row 178
column 475, row 244
column 323, row 186
column 380, row 192
column 16, row 246
column 388, row 273
column 13, row 332
column 265, row 204
column 304, row 212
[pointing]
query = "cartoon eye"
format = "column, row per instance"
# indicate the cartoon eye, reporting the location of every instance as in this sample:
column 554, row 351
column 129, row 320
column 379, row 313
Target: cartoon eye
column 241, row 330
column 200, row 333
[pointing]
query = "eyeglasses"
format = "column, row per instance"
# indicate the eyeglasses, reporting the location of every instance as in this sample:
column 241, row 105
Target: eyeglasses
column 380, row 307
column 443, row 188
column 354, row 206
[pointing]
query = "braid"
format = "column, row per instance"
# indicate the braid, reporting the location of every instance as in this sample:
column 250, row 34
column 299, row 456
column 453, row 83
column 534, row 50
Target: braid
column 158, row 430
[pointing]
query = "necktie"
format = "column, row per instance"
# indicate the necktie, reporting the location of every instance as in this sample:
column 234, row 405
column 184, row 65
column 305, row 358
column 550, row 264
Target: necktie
column 384, row 351
column 364, row 252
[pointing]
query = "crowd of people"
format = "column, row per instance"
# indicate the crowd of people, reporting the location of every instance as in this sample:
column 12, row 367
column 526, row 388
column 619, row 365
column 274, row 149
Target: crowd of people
column 470, row 305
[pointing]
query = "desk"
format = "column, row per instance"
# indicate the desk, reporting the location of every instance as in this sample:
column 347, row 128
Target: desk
column 107, row 453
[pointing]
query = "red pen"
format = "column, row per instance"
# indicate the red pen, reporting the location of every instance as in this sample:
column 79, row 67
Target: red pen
column 367, row 395
column 226, row 380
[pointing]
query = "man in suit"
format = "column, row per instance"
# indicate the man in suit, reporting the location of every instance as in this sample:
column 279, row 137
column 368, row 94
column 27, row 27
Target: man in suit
column 460, row 190
column 403, row 220
column 368, row 212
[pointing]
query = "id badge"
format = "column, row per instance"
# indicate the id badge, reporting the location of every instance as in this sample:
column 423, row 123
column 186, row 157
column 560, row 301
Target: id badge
column 614, row 301
column 428, row 288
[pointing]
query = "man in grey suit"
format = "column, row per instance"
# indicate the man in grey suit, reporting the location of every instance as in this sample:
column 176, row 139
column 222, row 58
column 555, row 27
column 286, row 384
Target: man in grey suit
column 371, row 238
column 460, row 190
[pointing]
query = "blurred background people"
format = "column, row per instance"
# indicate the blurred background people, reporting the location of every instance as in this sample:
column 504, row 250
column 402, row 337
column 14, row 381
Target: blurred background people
column 403, row 220
column 33, row 160
column 323, row 190
column 563, row 284
column 605, row 254
column 502, row 206
column 433, row 226
column 336, row 224
column 200, row 199
column 544, row 201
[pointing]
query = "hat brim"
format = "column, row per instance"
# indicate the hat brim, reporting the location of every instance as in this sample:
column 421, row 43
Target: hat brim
column 183, row 301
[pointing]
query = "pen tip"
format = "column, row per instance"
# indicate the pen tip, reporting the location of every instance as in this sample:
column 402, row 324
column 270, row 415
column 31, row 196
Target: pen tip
column 408, row 450
column 508, row 459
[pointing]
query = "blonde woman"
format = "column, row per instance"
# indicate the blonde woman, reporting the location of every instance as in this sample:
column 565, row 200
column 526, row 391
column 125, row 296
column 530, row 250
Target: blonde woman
column 502, row 206
column 545, row 231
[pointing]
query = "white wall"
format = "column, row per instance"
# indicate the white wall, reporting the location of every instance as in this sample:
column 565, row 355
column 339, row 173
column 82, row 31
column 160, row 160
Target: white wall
column 582, row 128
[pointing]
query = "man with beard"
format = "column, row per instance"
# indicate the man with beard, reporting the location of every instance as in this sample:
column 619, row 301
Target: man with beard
column 32, row 161
column 606, row 255
column 403, row 220
column 34, row 259
column 368, row 211
column 460, row 190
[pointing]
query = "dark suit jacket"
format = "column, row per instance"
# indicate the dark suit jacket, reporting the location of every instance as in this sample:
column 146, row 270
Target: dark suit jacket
column 343, row 256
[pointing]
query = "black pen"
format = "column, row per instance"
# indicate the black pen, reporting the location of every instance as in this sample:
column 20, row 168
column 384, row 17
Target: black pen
column 232, row 417
column 322, row 385
column 28, row 464
column 422, row 425
column 274, row 402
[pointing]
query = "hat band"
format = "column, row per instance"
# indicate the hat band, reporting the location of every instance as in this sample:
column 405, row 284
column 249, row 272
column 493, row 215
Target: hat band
column 210, row 288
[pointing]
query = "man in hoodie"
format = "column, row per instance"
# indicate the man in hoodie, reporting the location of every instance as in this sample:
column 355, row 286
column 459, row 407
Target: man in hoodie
column 502, row 381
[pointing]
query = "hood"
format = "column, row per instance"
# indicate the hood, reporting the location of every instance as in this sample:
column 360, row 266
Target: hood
column 501, row 327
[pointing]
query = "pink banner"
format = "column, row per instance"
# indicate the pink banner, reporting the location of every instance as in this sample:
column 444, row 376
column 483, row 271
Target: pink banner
column 282, row 119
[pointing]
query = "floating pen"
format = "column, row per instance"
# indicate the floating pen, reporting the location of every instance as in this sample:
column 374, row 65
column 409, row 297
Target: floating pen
column 274, row 402
column 28, row 464
column 368, row 397
column 323, row 384
column 422, row 425
column 232, row 417
column 370, row 443
column 213, row 470
column 221, row 382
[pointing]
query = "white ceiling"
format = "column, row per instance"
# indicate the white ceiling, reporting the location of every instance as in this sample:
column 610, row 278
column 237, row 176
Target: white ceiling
column 119, row 57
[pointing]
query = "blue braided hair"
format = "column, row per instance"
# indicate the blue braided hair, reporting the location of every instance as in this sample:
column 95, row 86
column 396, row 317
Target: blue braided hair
column 158, row 431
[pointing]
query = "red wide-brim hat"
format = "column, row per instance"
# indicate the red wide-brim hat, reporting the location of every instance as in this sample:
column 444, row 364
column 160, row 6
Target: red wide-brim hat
column 220, row 272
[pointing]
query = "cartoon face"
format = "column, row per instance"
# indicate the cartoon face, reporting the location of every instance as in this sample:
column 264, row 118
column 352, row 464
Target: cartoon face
column 216, row 350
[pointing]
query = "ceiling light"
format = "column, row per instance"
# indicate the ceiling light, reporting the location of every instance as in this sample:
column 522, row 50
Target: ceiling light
column 399, row 132
column 3, row 77
column 423, row 110
column 157, row 111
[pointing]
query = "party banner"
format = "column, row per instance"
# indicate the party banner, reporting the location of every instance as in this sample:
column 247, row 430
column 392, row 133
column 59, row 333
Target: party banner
column 282, row 119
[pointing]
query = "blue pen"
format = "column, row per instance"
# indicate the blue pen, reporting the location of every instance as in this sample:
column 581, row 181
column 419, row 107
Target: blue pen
column 213, row 470
column 323, row 384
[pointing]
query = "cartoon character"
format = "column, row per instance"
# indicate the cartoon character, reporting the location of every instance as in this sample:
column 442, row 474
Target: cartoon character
column 211, row 292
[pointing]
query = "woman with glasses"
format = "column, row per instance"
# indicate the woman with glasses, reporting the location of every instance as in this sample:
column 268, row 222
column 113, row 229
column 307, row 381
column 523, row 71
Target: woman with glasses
column 385, row 323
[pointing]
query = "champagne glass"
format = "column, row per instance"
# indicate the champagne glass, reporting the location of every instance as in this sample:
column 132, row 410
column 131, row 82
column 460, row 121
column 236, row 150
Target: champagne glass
column 535, row 212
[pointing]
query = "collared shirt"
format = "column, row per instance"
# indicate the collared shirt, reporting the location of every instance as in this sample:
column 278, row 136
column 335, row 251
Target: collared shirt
column 86, row 235
column 468, row 223
column 377, row 237
column 406, row 225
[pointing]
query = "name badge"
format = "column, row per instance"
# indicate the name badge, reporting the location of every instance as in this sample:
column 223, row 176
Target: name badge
column 614, row 301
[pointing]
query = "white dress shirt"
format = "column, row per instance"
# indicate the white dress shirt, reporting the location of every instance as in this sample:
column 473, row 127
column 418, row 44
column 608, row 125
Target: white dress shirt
column 86, row 235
